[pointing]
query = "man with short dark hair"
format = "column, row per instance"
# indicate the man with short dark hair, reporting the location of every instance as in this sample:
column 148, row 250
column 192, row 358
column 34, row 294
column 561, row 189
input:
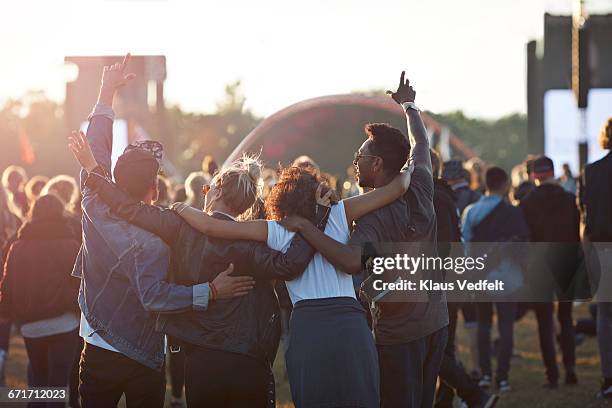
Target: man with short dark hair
column 123, row 272
column 552, row 216
column 410, row 336
column 492, row 219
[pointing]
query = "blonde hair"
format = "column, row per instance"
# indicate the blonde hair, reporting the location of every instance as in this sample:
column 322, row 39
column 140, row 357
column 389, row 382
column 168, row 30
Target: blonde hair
column 9, row 171
column 33, row 183
column 63, row 187
column 606, row 135
column 241, row 184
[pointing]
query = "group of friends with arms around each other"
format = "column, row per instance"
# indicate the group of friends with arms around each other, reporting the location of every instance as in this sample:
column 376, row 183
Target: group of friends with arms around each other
column 101, row 291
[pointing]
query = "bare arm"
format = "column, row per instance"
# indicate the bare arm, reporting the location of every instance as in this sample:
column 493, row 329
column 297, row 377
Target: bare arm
column 358, row 206
column 419, row 153
column 346, row 258
column 256, row 230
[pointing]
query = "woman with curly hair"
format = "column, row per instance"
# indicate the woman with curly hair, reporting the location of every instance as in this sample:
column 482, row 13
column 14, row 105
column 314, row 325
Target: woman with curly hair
column 331, row 359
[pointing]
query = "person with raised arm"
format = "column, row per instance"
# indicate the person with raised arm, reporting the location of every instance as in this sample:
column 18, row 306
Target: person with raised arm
column 229, row 350
column 331, row 359
column 410, row 337
column 124, row 272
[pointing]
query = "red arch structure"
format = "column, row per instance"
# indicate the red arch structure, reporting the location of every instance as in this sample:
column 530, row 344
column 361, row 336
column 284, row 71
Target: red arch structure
column 329, row 109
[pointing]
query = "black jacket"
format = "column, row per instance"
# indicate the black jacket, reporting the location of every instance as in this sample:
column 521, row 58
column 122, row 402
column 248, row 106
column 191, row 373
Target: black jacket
column 447, row 214
column 37, row 281
column 596, row 199
column 246, row 325
column 553, row 219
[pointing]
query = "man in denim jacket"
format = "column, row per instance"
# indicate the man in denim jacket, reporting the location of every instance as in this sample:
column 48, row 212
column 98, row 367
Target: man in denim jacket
column 123, row 271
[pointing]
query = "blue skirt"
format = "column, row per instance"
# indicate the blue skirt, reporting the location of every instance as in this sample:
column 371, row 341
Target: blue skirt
column 332, row 360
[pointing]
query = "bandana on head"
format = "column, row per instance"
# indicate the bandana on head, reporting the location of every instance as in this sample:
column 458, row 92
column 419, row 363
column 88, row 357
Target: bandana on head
column 156, row 148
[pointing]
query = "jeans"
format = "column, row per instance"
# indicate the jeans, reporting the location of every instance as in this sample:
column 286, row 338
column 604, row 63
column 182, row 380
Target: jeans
column 506, row 312
column 408, row 372
column 222, row 379
column 604, row 337
column 51, row 359
column 106, row 375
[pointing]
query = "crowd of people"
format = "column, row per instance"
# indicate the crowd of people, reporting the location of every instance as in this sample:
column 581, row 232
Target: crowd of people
column 111, row 282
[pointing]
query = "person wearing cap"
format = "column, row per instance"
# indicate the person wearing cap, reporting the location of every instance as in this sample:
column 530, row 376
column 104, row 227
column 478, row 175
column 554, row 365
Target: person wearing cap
column 456, row 177
column 552, row 216
column 123, row 271
column 596, row 202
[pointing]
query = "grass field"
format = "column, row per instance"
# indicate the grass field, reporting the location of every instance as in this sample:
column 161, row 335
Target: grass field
column 526, row 375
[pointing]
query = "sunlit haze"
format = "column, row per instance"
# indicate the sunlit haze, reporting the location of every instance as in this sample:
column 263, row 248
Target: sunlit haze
column 459, row 54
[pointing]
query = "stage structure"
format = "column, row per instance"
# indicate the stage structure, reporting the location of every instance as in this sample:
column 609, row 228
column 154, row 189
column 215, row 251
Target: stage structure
column 140, row 104
column 576, row 55
column 330, row 130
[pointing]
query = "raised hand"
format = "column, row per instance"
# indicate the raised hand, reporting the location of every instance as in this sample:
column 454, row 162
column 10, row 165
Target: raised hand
column 79, row 146
column 114, row 76
column 404, row 92
column 227, row 286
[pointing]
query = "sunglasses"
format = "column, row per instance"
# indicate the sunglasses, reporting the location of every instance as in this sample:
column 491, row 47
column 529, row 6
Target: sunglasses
column 358, row 156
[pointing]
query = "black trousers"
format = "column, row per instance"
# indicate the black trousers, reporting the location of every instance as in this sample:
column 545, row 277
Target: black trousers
column 51, row 359
column 106, row 375
column 546, row 331
column 222, row 379
column 408, row 372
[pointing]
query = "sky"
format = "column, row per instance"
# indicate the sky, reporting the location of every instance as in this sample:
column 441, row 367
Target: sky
column 467, row 55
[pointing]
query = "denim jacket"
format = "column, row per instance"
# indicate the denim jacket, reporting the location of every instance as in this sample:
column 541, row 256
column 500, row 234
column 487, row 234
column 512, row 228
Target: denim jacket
column 123, row 269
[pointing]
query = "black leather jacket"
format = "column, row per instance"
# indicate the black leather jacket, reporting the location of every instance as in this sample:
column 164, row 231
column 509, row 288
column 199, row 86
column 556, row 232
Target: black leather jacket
column 247, row 325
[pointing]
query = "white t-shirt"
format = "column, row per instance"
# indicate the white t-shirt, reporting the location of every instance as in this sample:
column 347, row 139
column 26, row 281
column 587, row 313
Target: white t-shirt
column 320, row 279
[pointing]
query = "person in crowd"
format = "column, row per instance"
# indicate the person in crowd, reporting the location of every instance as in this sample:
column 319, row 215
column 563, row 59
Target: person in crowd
column 41, row 297
column 596, row 201
column 209, row 167
column 9, row 224
column 231, row 194
column 124, row 272
column 410, row 337
column 452, row 374
column 492, row 219
column 306, row 162
column 476, row 169
column 34, row 187
column 521, row 191
column 14, row 179
column 180, row 194
column 454, row 174
column 350, row 187
column 567, row 179
column 552, row 216
column 193, row 189
column 65, row 188
column 164, row 196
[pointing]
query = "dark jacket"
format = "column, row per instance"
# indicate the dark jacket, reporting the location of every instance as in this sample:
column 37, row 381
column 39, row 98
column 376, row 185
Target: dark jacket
column 124, row 269
column 246, row 325
column 37, row 283
column 596, row 199
column 554, row 220
column 551, row 214
column 447, row 214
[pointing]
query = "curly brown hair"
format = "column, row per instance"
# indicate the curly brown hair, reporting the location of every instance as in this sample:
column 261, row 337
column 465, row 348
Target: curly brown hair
column 606, row 135
column 293, row 194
